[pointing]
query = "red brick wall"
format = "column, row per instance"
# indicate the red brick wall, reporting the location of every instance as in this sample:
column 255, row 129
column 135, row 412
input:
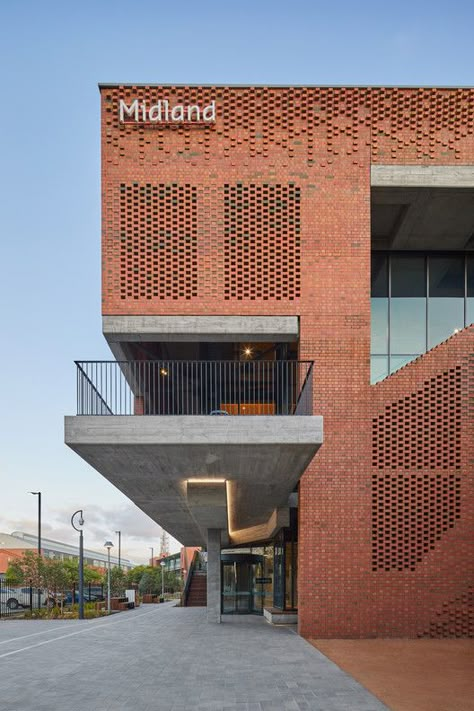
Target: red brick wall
column 320, row 141
column 292, row 168
column 386, row 541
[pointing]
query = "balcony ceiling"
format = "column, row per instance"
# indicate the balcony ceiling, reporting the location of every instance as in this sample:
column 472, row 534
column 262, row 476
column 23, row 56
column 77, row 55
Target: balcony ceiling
column 191, row 473
column 411, row 218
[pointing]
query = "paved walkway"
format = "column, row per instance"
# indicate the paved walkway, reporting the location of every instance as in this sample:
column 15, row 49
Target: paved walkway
column 163, row 658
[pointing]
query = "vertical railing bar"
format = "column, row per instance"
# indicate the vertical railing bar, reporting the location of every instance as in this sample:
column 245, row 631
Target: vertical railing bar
column 199, row 391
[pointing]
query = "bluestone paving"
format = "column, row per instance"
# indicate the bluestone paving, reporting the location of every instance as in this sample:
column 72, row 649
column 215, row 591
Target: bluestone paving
column 164, row 658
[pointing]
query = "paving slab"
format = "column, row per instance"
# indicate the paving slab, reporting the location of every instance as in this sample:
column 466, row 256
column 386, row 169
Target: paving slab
column 164, row 658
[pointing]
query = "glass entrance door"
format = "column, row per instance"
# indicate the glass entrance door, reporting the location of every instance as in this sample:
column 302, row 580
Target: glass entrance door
column 242, row 586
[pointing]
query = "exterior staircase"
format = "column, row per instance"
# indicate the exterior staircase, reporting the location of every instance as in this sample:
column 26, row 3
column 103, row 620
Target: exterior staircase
column 197, row 594
column 195, row 590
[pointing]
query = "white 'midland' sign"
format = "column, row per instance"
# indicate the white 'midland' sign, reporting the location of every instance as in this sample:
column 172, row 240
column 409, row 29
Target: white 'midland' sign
column 162, row 112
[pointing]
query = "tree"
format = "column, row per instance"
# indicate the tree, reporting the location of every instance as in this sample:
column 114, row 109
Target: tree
column 90, row 574
column 135, row 574
column 54, row 575
column 147, row 584
column 118, row 581
column 27, row 570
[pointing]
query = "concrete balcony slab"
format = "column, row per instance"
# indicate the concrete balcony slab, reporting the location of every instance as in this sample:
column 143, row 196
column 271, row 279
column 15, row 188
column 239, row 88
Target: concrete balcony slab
column 158, row 460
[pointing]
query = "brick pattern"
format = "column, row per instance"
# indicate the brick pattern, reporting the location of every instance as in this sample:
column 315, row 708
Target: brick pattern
column 323, row 141
column 404, row 125
column 410, row 513
column 261, row 242
column 158, row 236
column 388, row 552
column 454, row 618
column 422, row 430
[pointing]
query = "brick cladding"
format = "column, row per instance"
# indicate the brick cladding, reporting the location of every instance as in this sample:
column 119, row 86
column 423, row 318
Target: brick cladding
column 291, row 168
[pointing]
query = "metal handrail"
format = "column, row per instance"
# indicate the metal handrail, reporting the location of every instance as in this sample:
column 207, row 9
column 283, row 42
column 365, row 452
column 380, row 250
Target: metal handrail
column 187, row 584
column 172, row 387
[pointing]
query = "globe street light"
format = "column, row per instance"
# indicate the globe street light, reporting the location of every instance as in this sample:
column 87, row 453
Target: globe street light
column 80, row 523
column 38, row 494
column 162, row 563
column 108, row 545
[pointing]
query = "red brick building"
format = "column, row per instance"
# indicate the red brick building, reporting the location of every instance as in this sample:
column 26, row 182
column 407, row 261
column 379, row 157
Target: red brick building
column 239, row 227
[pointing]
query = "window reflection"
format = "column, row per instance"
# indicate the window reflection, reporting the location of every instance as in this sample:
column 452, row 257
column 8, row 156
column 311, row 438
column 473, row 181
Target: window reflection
column 417, row 302
column 398, row 361
column 469, row 311
column 408, row 325
column 408, row 276
column 444, row 316
column 378, row 368
column 446, row 276
column 379, row 326
column 379, row 275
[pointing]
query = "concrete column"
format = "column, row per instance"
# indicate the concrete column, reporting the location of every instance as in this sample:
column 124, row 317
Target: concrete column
column 213, row 575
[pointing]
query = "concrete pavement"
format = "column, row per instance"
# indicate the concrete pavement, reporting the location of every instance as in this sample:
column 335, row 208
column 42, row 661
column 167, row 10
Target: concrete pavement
column 163, row 658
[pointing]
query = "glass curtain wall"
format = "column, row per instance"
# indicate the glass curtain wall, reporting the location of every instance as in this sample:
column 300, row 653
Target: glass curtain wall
column 417, row 301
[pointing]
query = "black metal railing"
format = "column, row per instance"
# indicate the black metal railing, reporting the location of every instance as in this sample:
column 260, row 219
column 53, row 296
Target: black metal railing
column 16, row 599
column 194, row 387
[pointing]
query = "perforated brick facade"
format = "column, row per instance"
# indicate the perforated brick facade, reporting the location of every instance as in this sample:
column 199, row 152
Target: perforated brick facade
column 267, row 211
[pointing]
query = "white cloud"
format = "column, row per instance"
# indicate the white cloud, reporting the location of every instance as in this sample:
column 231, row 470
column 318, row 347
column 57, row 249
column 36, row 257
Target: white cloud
column 139, row 532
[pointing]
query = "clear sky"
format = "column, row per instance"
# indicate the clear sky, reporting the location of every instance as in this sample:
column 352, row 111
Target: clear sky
column 53, row 54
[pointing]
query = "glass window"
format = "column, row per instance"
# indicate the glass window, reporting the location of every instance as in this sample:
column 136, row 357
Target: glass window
column 408, row 276
column 397, row 362
column 378, row 368
column 469, row 311
column 407, row 326
column 470, row 275
column 444, row 316
column 446, row 276
column 379, row 275
column 379, row 326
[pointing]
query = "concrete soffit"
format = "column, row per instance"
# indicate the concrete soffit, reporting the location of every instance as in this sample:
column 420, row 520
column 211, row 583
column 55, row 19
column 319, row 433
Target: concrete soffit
column 422, row 176
column 118, row 329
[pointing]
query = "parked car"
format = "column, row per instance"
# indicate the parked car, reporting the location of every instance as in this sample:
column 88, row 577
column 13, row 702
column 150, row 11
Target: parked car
column 14, row 597
column 88, row 597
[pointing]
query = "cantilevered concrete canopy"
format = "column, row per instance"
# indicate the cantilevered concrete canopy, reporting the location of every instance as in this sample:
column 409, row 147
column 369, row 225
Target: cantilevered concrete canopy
column 121, row 331
column 194, row 473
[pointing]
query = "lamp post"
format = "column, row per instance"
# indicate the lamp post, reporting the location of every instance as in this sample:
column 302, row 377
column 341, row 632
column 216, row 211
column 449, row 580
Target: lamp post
column 162, row 563
column 119, row 533
column 108, row 545
column 152, row 563
column 81, row 559
column 38, row 494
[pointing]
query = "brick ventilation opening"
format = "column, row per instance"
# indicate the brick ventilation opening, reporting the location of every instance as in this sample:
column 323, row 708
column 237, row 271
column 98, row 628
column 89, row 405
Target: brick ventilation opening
column 158, row 235
column 410, row 513
column 262, row 242
column 422, row 430
column 454, row 618
column 405, row 125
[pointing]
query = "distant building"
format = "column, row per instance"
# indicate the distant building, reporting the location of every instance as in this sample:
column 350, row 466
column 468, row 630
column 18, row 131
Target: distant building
column 13, row 546
column 176, row 562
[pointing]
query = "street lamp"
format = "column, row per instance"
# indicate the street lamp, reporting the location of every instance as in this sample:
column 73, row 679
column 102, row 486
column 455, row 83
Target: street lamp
column 152, row 563
column 81, row 559
column 38, row 494
column 108, row 545
column 162, row 563
column 119, row 533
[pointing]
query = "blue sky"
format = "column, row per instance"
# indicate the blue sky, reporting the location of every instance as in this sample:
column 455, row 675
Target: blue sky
column 53, row 54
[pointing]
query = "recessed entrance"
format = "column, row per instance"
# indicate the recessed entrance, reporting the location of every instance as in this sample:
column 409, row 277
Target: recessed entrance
column 244, row 585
